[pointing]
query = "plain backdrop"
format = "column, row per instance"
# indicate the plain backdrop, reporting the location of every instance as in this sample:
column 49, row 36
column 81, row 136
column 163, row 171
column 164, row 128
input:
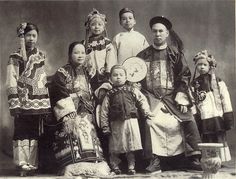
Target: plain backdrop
column 202, row 24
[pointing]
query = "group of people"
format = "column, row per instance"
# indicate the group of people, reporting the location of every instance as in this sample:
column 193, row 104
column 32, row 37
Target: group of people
column 164, row 115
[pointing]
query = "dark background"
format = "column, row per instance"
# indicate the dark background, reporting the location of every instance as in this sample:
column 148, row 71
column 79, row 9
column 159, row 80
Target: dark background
column 202, row 24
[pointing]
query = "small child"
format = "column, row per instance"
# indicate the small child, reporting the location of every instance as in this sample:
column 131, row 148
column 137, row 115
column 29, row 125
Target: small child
column 99, row 48
column 214, row 109
column 119, row 119
column 130, row 42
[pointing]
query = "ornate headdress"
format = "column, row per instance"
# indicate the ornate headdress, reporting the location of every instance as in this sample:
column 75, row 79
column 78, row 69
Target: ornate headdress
column 214, row 82
column 91, row 16
column 21, row 31
column 204, row 54
column 95, row 14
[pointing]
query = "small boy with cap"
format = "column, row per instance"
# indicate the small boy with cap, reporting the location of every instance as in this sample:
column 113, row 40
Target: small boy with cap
column 166, row 87
column 130, row 42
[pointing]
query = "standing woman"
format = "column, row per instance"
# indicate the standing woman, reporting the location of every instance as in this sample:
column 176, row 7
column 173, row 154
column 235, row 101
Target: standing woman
column 27, row 97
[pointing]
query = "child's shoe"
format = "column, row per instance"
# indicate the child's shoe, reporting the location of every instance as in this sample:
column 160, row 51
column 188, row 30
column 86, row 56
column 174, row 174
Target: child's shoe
column 117, row 171
column 131, row 172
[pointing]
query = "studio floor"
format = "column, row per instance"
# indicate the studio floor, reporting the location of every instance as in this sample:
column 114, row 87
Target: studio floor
column 228, row 171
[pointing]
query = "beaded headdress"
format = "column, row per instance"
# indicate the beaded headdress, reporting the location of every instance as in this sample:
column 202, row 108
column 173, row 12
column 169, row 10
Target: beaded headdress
column 95, row 14
column 204, row 54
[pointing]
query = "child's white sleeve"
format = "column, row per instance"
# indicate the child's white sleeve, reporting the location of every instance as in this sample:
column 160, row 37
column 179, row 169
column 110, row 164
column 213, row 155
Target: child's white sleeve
column 142, row 103
column 111, row 58
column 115, row 46
column 225, row 97
column 145, row 43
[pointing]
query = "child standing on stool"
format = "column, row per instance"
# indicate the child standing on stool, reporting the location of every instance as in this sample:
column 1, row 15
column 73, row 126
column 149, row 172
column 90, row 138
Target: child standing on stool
column 119, row 119
column 214, row 110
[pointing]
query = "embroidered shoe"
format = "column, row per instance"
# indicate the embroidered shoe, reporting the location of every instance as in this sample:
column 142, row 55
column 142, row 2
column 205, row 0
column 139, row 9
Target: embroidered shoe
column 131, row 172
column 154, row 166
column 32, row 167
column 25, row 167
column 117, row 171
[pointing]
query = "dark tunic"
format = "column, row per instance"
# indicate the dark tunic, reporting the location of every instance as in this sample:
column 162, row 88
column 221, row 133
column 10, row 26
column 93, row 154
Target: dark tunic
column 72, row 93
column 167, row 75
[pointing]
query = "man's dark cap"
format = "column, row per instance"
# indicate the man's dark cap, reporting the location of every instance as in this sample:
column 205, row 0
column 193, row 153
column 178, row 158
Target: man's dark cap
column 162, row 20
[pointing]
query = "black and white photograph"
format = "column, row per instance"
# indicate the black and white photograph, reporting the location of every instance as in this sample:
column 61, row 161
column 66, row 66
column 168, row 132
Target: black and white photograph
column 118, row 89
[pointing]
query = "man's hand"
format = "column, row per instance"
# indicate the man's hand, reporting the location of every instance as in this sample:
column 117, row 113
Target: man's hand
column 183, row 108
column 149, row 122
column 69, row 116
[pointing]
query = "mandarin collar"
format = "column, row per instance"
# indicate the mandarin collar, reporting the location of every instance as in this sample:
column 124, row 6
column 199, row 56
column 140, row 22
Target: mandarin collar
column 126, row 31
column 162, row 47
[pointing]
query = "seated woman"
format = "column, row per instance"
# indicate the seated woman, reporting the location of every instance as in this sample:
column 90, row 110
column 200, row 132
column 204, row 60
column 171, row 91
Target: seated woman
column 76, row 146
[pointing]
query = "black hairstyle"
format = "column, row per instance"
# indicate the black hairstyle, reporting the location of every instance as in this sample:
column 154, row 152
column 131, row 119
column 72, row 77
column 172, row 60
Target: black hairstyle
column 30, row 26
column 124, row 10
column 71, row 47
column 118, row 67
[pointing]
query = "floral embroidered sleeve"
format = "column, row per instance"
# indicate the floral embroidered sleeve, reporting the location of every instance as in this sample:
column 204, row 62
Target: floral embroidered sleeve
column 111, row 58
column 227, row 106
column 64, row 103
column 11, row 84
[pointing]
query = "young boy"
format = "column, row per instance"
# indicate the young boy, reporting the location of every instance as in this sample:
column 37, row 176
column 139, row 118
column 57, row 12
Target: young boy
column 119, row 119
column 214, row 109
column 130, row 42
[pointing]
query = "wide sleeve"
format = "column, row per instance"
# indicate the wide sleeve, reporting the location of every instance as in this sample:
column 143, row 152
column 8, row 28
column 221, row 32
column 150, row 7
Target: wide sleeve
column 104, row 115
column 227, row 106
column 63, row 102
column 11, row 84
column 145, row 43
column 90, row 67
column 142, row 103
column 115, row 45
column 182, row 73
column 111, row 58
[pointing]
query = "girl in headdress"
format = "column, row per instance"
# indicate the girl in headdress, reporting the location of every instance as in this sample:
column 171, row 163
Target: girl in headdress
column 27, row 96
column 101, row 56
column 75, row 138
column 99, row 48
column 212, row 99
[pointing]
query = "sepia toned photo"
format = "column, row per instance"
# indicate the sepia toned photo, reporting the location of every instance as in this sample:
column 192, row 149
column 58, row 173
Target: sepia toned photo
column 118, row 89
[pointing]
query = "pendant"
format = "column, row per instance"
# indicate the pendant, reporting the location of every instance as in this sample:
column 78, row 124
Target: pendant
column 201, row 95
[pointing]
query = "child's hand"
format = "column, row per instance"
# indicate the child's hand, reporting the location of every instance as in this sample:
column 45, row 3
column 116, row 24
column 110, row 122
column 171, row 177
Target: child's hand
column 183, row 108
column 70, row 116
column 149, row 122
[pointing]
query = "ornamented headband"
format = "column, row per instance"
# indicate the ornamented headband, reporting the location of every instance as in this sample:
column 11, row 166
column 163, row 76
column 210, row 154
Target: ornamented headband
column 95, row 14
column 21, row 29
column 205, row 55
